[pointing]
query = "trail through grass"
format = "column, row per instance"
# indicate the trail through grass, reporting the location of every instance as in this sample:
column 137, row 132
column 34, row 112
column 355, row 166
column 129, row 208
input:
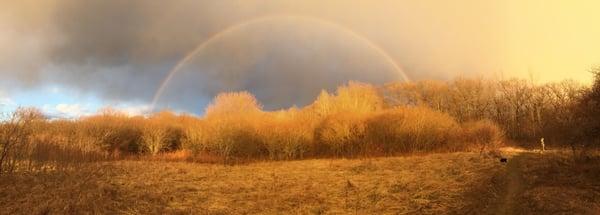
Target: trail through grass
column 514, row 185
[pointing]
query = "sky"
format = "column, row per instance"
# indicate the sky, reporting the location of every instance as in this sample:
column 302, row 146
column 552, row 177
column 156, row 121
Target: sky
column 71, row 58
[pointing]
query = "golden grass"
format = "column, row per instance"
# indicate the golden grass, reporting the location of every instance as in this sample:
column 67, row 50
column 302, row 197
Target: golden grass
column 445, row 183
column 439, row 183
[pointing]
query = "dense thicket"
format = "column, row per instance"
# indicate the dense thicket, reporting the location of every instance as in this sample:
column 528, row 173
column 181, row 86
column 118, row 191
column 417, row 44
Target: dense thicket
column 357, row 120
column 565, row 113
column 585, row 123
column 525, row 111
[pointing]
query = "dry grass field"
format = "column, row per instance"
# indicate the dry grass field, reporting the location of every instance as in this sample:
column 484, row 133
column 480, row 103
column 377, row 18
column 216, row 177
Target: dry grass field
column 438, row 183
column 453, row 183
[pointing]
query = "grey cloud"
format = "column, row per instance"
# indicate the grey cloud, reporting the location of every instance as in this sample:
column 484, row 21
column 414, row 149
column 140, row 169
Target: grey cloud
column 122, row 50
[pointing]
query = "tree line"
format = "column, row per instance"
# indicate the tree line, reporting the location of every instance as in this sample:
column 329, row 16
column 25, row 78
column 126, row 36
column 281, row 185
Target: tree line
column 357, row 119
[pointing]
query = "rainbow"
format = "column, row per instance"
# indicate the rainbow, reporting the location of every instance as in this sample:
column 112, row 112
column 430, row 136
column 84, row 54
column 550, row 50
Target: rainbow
column 264, row 19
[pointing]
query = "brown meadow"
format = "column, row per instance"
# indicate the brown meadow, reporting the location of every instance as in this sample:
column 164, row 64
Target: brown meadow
column 443, row 183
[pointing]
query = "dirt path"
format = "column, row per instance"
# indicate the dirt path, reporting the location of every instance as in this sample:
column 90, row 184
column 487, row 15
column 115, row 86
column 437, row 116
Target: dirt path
column 514, row 186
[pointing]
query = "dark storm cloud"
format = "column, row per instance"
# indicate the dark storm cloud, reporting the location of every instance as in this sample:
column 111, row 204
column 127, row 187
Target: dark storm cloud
column 122, row 50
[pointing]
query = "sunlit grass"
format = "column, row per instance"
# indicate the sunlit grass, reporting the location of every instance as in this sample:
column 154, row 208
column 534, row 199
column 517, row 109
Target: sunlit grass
column 440, row 183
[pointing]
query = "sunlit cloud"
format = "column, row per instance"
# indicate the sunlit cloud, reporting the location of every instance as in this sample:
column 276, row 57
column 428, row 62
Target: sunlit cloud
column 74, row 111
column 5, row 101
column 70, row 109
column 67, row 111
column 135, row 110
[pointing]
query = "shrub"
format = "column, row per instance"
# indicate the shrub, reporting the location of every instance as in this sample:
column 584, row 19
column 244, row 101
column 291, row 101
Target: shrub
column 16, row 137
column 59, row 151
column 286, row 135
column 173, row 139
column 484, row 134
column 411, row 130
column 354, row 97
column 341, row 134
column 233, row 103
column 113, row 132
column 234, row 137
column 196, row 136
column 153, row 137
column 233, row 120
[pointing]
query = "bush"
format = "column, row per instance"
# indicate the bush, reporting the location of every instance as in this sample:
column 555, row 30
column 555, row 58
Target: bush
column 353, row 122
column 234, row 137
column 411, row 130
column 16, row 137
column 113, row 132
column 173, row 139
column 233, row 103
column 196, row 136
column 233, row 120
column 483, row 134
column 286, row 135
column 354, row 97
column 154, row 137
column 341, row 134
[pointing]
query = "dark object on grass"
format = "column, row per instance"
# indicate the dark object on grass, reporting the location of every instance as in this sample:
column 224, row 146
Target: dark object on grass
column 503, row 160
